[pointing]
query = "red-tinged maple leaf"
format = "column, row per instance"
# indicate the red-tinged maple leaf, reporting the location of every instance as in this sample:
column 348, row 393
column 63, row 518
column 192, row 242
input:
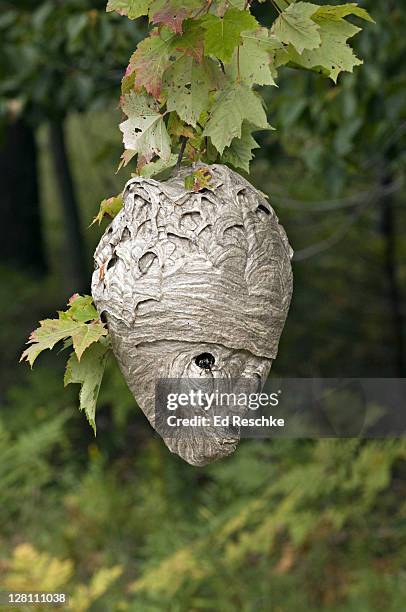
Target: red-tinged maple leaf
column 192, row 40
column 150, row 61
column 73, row 298
column 171, row 16
column 196, row 51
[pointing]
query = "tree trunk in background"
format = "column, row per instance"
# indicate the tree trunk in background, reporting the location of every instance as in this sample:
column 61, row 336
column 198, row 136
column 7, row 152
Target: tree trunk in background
column 76, row 261
column 388, row 225
column 21, row 244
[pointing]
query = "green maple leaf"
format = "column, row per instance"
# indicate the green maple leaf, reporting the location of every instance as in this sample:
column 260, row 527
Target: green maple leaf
column 251, row 61
column 296, row 27
column 239, row 153
column 88, row 372
column 144, row 131
column 342, row 10
column 223, row 34
column 188, row 85
column 150, row 61
column 334, row 54
column 85, row 335
column 131, row 8
column 47, row 335
column 109, row 207
column 52, row 331
column 81, row 308
column 234, row 105
column 158, row 166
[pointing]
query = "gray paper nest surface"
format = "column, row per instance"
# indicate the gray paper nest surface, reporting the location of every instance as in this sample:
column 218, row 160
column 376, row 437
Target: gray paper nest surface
column 180, row 273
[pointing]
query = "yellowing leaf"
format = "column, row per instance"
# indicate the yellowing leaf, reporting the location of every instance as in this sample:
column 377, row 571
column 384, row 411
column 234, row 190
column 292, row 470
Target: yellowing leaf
column 223, row 34
column 109, row 208
column 199, row 179
column 296, row 27
column 131, row 8
column 144, row 131
column 88, row 373
column 234, row 105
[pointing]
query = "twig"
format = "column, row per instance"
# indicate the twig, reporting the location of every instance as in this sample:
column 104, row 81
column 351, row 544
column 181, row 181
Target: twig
column 183, row 141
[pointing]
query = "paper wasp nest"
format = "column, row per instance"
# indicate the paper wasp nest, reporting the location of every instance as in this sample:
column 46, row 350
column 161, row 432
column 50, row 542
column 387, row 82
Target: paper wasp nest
column 193, row 284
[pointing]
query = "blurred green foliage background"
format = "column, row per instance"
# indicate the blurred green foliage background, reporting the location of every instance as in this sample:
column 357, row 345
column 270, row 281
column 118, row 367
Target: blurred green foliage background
column 117, row 521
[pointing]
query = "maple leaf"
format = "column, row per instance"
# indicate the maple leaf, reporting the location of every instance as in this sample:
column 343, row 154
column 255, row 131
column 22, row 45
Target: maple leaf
column 109, row 207
column 171, row 16
column 125, row 158
column 52, row 331
column 199, row 179
column 158, row 166
column 81, row 308
column 88, row 372
column 192, row 40
column 234, row 105
column 177, row 127
column 173, row 13
column 128, row 80
column 144, row 131
column 223, row 34
column 296, row 27
column 251, row 60
column 149, row 61
column 334, row 54
column 342, row 10
column 279, row 55
column 131, row 8
column 85, row 335
column 46, row 336
column 187, row 86
column 239, row 153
